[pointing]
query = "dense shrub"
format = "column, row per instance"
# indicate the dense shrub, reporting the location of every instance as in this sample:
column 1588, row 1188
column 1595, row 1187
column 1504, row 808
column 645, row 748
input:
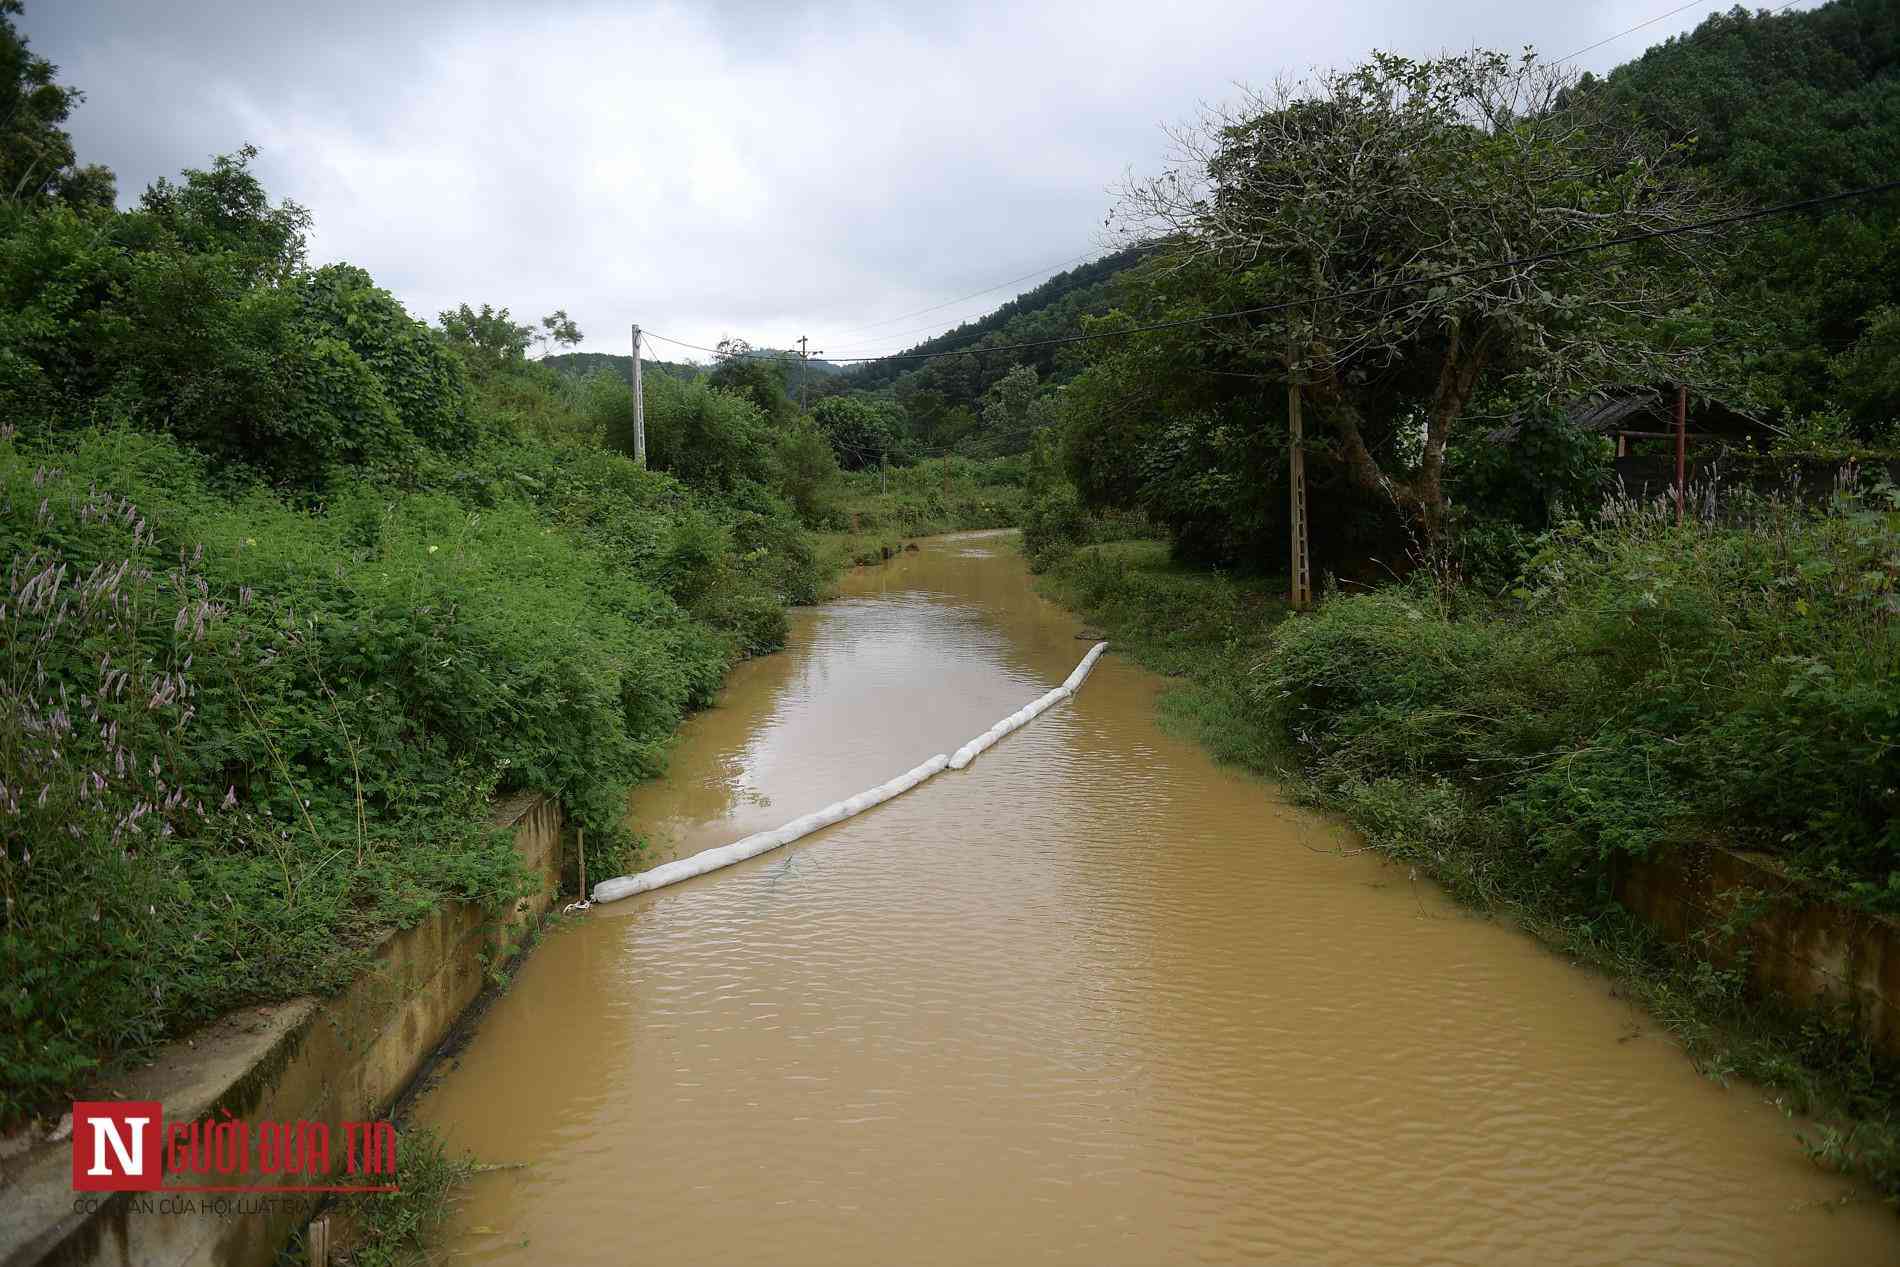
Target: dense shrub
column 296, row 586
column 711, row 439
column 191, row 315
column 1056, row 521
column 862, row 433
column 1644, row 685
column 806, row 469
column 940, row 495
column 339, row 691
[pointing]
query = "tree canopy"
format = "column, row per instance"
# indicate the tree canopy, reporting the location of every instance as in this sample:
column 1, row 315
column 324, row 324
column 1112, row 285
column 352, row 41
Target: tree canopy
column 1338, row 202
column 37, row 163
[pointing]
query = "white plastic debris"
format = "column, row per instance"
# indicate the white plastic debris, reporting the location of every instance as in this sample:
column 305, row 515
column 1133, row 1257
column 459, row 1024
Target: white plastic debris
column 766, row 841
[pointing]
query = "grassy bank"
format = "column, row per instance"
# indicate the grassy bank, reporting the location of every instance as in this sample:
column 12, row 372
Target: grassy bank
column 1493, row 743
column 868, row 515
column 245, row 735
column 1206, row 630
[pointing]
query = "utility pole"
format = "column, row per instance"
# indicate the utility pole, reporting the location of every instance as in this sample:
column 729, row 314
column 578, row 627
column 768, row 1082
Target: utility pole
column 639, row 407
column 804, row 356
column 1300, row 571
column 1682, row 449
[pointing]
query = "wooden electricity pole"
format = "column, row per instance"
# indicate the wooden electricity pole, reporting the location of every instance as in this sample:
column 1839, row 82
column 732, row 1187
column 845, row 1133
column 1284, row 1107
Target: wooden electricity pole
column 1300, row 571
column 1682, row 449
column 639, row 407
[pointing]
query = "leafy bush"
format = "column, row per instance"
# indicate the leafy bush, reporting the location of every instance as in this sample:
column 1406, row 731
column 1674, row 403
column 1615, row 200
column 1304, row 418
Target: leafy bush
column 1643, row 686
column 348, row 689
column 296, row 587
column 861, row 432
column 807, row 469
column 710, row 439
column 1056, row 523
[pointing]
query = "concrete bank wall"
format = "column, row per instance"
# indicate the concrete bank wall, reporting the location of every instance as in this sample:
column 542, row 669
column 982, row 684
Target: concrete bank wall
column 1815, row 954
column 334, row 1060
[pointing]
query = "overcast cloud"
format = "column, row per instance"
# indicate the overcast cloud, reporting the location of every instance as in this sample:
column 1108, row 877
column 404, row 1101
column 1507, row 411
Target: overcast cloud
column 764, row 170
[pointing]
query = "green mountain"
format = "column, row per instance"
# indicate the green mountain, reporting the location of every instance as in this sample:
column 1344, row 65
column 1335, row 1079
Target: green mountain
column 1048, row 311
column 583, row 364
column 587, row 364
column 1779, row 107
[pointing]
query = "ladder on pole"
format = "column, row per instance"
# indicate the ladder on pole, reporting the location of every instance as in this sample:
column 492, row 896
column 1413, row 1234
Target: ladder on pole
column 1300, row 570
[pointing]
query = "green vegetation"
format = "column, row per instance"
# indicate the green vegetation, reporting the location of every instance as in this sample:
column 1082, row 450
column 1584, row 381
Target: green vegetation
column 867, row 516
column 1209, row 630
column 942, row 393
column 297, row 585
column 298, row 582
column 1786, row 106
column 1541, row 679
column 399, row 1229
column 1644, row 686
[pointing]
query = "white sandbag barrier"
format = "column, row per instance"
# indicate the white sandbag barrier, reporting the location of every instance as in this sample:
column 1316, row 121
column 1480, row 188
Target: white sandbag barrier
column 766, row 841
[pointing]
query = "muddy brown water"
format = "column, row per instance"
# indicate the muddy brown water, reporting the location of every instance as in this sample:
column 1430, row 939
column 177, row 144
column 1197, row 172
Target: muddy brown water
column 1093, row 1000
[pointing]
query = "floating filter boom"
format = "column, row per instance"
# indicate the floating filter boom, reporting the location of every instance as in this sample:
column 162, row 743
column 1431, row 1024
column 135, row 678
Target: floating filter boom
column 766, row 841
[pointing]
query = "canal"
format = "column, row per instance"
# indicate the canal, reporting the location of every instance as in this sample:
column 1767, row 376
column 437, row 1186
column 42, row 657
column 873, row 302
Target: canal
column 1093, row 1000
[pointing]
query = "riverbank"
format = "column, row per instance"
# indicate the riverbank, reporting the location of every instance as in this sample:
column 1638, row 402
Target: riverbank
column 333, row 1061
column 1086, row 1001
column 1214, row 634
column 872, row 514
column 248, row 731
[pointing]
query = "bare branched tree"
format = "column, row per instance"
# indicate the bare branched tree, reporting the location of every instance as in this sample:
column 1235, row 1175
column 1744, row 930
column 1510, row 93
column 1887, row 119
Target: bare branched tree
column 1400, row 170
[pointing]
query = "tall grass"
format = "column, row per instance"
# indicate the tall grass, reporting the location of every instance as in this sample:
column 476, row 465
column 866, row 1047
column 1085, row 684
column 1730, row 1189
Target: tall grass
column 241, row 737
column 948, row 494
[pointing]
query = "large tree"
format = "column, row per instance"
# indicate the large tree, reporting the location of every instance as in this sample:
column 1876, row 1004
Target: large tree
column 37, row 163
column 1319, row 194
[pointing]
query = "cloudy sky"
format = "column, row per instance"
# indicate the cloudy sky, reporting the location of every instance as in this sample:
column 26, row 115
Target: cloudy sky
column 720, row 167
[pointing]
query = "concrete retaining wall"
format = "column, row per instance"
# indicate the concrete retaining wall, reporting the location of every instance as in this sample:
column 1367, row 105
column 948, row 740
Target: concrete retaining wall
column 337, row 1059
column 1813, row 953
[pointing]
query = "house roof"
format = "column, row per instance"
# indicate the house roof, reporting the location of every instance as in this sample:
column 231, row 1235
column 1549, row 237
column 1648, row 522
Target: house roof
column 1623, row 408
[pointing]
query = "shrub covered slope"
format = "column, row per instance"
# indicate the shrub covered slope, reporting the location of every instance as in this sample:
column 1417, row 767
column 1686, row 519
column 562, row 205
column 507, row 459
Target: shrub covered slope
column 296, row 585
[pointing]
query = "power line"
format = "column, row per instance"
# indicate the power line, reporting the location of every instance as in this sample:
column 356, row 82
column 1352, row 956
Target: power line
column 1542, row 257
column 1610, row 39
column 750, row 354
column 1739, row 217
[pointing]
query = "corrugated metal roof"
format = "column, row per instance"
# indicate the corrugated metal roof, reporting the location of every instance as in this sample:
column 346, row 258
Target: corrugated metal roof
column 1624, row 409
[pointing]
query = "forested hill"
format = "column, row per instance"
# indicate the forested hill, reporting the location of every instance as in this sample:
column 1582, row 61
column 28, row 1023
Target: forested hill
column 1052, row 309
column 1787, row 105
column 585, row 364
column 1782, row 107
column 1771, row 108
